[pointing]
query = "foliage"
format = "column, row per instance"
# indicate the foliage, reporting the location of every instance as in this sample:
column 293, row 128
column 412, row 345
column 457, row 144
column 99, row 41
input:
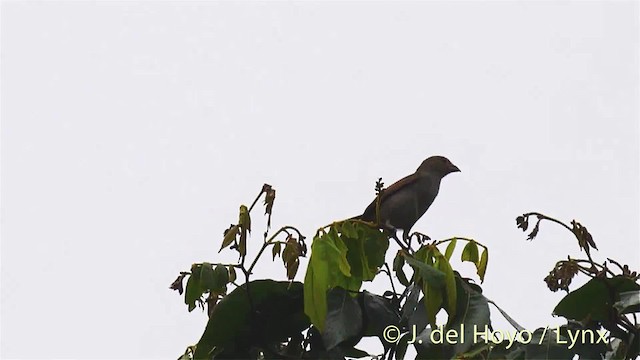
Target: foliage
column 428, row 306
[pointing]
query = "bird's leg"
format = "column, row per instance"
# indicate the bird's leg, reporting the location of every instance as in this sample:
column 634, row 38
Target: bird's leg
column 407, row 238
column 392, row 234
column 404, row 247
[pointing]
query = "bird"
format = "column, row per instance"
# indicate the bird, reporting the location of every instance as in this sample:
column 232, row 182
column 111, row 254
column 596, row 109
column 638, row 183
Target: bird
column 403, row 203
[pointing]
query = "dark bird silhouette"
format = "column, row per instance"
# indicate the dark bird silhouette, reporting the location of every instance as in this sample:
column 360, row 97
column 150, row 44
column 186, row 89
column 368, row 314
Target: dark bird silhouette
column 404, row 202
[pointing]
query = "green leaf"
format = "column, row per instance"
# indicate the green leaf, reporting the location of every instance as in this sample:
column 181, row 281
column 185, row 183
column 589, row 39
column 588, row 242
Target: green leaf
column 428, row 273
column 418, row 319
column 232, row 273
column 424, row 254
column 339, row 249
column 207, row 279
column 595, row 299
column 278, row 315
column 229, row 236
column 376, row 245
column 450, row 248
column 340, row 260
column 472, row 312
column 328, row 267
column 398, row 264
column 482, row 265
column 221, row 279
column 193, row 292
column 344, row 319
column 449, row 285
column 403, row 343
column 432, row 301
column 316, row 284
column 427, row 349
column 349, row 229
column 551, row 346
column 379, row 313
column 470, row 252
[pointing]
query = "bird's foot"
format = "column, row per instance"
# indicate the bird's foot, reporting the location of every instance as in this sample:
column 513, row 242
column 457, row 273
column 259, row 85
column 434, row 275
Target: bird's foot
column 422, row 238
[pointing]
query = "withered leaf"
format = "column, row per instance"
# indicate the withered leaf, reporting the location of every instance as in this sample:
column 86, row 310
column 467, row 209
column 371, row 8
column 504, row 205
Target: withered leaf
column 522, row 223
column 229, row 236
column 232, row 273
column 177, row 284
column 275, row 250
column 292, row 269
column 534, row 232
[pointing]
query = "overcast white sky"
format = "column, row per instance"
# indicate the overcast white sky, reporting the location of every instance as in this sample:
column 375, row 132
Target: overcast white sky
column 131, row 132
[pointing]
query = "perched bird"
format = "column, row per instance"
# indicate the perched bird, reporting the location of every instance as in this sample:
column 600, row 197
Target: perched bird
column 404, row 202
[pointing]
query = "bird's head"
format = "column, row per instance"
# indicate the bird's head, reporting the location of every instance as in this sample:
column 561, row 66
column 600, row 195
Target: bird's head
column 439, row 165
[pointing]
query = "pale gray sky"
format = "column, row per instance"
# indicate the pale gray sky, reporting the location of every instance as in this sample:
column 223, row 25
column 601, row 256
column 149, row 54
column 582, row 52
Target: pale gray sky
column 131, row 132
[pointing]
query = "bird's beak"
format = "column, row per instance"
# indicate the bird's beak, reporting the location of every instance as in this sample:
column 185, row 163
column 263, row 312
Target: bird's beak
column 454, row 168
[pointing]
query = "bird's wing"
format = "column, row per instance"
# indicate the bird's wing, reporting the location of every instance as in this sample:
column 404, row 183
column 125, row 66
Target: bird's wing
column 370, row 212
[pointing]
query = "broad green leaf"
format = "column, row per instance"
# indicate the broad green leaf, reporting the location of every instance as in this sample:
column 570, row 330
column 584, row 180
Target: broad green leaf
column 338, row 247
column 470, row 252
column 193, row 292
column 450, row 248
column 547, row 344
column 344, row 318
column 376, row 245
column 278, row 315
column 432, row 302
column 379, row 313
column 340, row 260
column 427, row 349
column 595, row 299
column 328, row 267
column 365, row 253
column 221, row 279
column 424, row 254
column 449, row 285
column 316, row 284
column 348, row 228
column 403, row 343
column 358, row 262
column 428, row 273
column 207, row 279
column 482, row 265
column 418, row 320
column 472, row 312
column 500, row 352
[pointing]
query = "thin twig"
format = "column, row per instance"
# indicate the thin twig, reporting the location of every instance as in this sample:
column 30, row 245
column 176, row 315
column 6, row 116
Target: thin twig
column 390, row 279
